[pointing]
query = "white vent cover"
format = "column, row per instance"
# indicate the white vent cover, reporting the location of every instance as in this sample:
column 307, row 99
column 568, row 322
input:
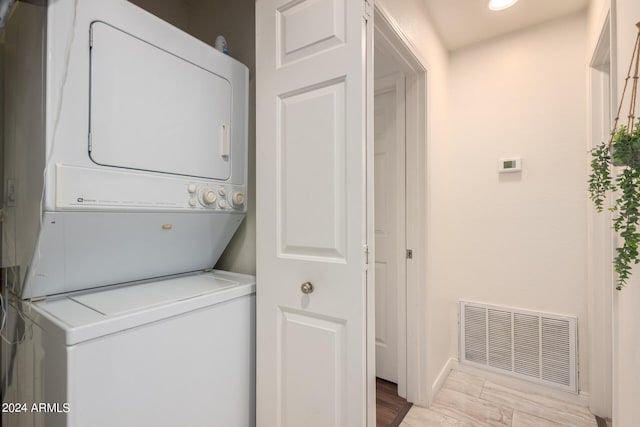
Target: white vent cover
column 539, row 347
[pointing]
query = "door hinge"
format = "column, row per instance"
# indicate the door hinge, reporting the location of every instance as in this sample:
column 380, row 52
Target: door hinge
column 409, row 253
column 367, row 10
column 366, row 254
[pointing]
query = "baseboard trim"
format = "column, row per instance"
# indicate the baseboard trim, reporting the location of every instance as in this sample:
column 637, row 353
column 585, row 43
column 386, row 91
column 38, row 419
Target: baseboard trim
column 451, row 363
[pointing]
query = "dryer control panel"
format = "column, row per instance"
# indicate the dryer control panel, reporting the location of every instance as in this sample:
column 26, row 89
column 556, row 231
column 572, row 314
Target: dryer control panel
column 222, row 197
column 81, row 188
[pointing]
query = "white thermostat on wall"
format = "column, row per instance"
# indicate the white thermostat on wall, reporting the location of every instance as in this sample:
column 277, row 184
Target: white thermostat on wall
column 513, row 164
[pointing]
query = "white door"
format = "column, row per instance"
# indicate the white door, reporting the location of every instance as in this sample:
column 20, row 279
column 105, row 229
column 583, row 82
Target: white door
column 389, row 222
column 314, row 157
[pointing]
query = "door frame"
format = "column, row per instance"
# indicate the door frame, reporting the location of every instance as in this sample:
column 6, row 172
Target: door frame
column 397, row 46
column 602, row 240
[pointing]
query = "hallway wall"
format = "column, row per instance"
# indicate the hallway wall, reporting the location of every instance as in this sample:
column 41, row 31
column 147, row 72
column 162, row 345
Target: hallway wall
column 626, row 304
column 519, row 239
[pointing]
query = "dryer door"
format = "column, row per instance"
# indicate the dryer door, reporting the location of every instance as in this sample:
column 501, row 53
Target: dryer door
column 152, row 110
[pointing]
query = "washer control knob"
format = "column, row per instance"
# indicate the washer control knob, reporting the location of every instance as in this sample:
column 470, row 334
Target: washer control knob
column 209, row 197
column 221, row 192
column 222, row 203
column 192, row 188
column 192, row 203
column 237, row 199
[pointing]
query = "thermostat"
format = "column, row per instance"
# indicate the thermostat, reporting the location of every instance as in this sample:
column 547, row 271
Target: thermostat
column 510, row 165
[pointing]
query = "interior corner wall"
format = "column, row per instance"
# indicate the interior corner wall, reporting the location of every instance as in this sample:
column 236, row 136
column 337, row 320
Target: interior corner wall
column 626, row 304
column 414, row 22
column 596, row 15
column 175, row 12
column 519, row 239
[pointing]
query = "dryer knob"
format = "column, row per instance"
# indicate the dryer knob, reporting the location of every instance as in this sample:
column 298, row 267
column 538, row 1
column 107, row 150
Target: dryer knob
column 209, row 197
column 237, row 199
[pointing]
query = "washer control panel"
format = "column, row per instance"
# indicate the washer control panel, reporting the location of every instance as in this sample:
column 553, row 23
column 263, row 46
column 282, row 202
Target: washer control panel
column 98, row 189
column 218, row 197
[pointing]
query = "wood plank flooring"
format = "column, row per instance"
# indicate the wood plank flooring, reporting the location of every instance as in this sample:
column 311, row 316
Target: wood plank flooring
column 390, row 408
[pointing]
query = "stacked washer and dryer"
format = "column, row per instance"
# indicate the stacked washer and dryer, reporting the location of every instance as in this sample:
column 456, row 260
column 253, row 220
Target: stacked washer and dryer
column 126, row 172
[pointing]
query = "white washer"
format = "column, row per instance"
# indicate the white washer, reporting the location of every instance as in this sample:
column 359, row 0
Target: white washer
column 174, row 352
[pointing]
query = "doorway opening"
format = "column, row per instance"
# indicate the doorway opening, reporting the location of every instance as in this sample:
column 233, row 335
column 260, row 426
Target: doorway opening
column 400, row 187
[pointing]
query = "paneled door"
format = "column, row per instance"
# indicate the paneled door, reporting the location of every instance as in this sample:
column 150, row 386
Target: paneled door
column 314, row 155
column 389, row 123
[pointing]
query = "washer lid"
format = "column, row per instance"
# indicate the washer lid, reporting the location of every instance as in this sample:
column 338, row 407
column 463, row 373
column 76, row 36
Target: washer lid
column 127, row 299
column 81, row 317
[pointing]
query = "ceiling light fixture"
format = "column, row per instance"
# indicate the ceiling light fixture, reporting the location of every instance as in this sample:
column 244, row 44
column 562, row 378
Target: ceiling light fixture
column 501, row 4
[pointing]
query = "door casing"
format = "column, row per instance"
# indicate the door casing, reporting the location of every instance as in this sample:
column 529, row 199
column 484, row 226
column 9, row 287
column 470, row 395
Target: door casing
column 391, row 39
column 601, row 238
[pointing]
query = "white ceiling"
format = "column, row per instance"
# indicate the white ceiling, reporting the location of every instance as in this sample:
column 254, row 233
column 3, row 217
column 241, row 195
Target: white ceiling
column 461, row 23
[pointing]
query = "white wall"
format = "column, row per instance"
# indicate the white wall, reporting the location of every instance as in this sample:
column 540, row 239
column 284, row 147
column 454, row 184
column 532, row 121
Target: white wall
column 626, row 303
column 599, row 231
column 626, row 347
column 596, row 15
column 519, row 239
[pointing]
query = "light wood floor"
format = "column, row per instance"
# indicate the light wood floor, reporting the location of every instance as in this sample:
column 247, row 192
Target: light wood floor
column 468, row 400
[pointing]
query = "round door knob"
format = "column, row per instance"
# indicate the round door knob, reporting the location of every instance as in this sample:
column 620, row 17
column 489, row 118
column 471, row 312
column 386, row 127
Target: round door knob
column 209, row 197
column 306, row 288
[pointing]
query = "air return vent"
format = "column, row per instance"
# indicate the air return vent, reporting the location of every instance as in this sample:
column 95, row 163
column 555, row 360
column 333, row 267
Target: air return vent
column 538, row 347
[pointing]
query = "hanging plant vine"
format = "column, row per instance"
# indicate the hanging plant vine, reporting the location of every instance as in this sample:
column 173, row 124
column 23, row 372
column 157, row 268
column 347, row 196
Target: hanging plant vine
column 623, row 149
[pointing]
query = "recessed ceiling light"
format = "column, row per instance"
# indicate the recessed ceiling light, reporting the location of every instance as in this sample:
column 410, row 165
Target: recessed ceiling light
column 501, row 4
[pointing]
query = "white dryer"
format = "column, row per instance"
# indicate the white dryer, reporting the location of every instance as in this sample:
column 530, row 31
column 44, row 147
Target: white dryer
column 127, row 150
